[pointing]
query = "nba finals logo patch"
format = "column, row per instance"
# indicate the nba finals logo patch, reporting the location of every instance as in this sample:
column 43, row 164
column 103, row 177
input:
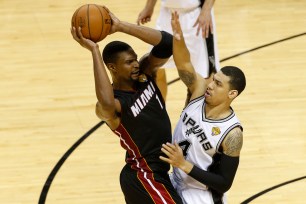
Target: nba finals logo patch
column 215, row 131
column 142, row 78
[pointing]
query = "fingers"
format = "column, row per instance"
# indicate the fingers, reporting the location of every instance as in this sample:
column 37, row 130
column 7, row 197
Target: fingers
column 206, row 31
column 109, row 12
column 146, row 20
column 165, row 159
column 176, row 145
column 198, row 30
column 143, row 20
column 79, row 32
column 176, row 25
column 138, row 21
column 77, row 35
column 74, row 34
column 168, row 149
column 173, row 152
column 211, row 28
column 106, row 9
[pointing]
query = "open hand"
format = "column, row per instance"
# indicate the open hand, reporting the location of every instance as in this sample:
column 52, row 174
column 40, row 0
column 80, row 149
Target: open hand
column 204, row 23
column 84, row 42
column 174, row 153
column 176, row 27
column 115, row 21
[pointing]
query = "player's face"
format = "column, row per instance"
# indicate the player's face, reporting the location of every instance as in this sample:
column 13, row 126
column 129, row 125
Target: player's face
column 128, row 66
column 218, row 90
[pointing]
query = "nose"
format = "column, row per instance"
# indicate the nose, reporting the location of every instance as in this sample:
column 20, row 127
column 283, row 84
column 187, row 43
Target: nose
column 136, row 64
column 210, row 85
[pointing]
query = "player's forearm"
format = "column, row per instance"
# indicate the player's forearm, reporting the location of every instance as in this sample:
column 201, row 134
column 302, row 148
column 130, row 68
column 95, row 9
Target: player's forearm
column 221, row 178
column 145, row 34
column 150, row 4
column 183, row 63
column 181, row 53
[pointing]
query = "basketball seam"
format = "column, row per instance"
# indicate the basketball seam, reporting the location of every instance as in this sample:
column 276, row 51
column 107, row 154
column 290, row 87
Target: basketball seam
column 102, row 17
column 88, row 21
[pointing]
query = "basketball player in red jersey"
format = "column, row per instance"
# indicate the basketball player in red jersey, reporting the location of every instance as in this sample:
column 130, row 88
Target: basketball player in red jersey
column 133, row 108
column 208, row 135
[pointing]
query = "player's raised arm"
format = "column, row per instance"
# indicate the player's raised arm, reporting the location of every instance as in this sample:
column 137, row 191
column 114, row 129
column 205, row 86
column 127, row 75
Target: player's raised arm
column 195, row 83
column 104, row 90
column 161, row 40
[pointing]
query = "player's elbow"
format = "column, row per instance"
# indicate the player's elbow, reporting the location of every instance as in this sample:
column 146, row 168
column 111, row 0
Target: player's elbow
column 224, row 187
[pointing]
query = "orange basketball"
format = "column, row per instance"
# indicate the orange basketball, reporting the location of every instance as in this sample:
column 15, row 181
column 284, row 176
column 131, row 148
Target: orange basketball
column 94, row 21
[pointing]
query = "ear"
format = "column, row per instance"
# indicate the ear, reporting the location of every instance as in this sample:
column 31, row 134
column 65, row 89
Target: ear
column 111, row 67
column 232, row 94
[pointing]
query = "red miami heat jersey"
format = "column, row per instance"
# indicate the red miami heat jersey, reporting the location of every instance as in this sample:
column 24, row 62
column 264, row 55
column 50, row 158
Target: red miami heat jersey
column 145, row 126
column 200, row 138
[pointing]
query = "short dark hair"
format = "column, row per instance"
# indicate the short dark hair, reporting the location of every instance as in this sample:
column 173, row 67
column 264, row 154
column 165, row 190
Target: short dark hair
column 112, row 49
column 237, row 78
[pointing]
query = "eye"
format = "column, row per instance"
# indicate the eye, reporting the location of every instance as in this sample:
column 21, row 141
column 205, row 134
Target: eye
column 129, row 61
column 218, row 83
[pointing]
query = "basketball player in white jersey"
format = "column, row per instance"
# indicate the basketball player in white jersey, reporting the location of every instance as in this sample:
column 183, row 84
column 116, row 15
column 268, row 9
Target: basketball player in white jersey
column 198, row 25
column 208, row 137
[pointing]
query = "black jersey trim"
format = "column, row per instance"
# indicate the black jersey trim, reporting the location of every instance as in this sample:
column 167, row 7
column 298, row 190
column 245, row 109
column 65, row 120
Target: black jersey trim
column 219, row 120
column 193, row 101
column 225, row 133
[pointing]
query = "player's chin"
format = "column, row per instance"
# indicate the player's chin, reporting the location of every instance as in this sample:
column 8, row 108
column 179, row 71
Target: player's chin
column 208, row 98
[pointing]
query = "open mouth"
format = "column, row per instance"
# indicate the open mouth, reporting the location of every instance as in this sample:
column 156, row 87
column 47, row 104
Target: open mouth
column 135, row 73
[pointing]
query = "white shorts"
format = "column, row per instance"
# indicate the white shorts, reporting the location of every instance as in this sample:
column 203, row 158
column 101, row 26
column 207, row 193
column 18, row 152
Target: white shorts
column 198, row 196
column 193, row 195
column 195, row 44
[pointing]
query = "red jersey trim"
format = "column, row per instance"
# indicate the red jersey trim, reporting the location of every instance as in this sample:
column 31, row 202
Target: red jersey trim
column 156, row 190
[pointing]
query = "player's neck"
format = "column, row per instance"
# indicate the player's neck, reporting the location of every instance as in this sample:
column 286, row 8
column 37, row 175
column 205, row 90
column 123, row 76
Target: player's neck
column 124, row 87
column 217, row 112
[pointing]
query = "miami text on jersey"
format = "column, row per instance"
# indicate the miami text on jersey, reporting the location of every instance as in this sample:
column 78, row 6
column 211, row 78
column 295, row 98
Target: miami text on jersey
column 143, row 99
column 197, row 131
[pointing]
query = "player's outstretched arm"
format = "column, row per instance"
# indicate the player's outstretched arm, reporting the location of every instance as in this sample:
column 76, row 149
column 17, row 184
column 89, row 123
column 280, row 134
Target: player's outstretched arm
column 146, row 34
column 105, row 108
column 162, row 42
column 195, row 83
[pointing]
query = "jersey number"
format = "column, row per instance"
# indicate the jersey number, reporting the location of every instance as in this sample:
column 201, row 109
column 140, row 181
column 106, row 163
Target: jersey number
column 185, row 147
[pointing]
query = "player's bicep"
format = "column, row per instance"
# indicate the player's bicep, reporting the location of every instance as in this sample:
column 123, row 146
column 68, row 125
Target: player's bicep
column 232, row 143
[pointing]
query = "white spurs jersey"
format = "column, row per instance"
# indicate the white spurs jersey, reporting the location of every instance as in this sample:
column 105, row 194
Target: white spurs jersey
column 200, row 139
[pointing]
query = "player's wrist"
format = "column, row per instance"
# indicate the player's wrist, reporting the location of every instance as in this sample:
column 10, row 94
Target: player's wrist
column 186, row 167
column 124, row 27
column 95, row 49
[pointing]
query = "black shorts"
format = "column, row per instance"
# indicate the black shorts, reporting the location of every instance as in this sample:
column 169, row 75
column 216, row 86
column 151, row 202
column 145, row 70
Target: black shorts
column 140, row 187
